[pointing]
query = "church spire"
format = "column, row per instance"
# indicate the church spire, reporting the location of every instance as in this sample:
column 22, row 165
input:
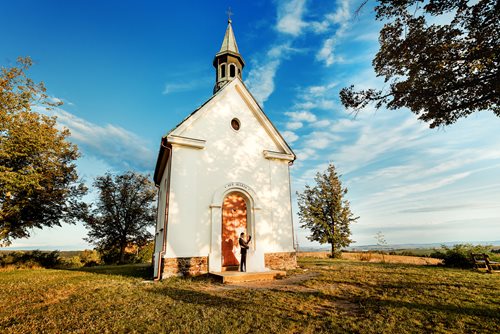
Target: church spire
column 228, row 62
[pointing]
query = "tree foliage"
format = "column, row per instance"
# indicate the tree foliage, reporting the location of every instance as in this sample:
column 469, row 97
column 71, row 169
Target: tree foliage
column 460, row 255
column 441, row 72
column 325, row 211
column 125, row 208
column 38, row 177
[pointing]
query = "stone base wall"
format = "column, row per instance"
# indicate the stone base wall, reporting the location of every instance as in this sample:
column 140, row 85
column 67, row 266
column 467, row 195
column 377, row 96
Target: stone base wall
column 185, row 266
column 281, row 261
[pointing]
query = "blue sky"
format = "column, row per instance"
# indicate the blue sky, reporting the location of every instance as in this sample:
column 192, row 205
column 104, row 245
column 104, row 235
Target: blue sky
column 128, row 71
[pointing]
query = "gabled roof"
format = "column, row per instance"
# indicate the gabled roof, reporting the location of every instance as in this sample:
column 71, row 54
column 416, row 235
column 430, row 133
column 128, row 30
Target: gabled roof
column 249, row 99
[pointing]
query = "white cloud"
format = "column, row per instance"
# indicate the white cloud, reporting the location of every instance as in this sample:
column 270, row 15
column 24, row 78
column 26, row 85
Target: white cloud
column 339, row 19
column 342, row 14
column 316, row 91
column 318, row 103
column 306, row 153
column 326, row 52
column 290, row 136
column 416, row 188
column 300, row 116
column 290, row 17
column 184, row 86
column 320, row 27
column 367, row 37
column 293, row 125
column 261, row 80
column 321, row 124
column 54, row 99
column 318, row 140
column 317, row 143
column 178, row 87
column 375, row 141
column 116, row 145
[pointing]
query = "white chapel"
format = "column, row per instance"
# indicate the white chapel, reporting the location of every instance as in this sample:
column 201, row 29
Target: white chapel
column 222, row 171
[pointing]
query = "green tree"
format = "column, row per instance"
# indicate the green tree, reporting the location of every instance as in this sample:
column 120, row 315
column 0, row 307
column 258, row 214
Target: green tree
column 325, row 211
column 125, row 208
column 38, row 178
column 441, row 72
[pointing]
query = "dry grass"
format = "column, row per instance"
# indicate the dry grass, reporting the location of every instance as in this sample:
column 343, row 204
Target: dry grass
column 377, row 258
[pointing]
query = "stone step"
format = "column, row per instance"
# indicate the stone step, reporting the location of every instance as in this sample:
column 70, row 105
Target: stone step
column 236, row 276
column 231, row 268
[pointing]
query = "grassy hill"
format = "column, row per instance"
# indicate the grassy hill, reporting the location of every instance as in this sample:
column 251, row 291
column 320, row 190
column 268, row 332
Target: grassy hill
column 325, row 295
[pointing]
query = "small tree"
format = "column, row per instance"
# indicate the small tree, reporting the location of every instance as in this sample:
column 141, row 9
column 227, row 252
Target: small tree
column 125, row 208
column 324, row 210
column 38, row 180
column 381, row 243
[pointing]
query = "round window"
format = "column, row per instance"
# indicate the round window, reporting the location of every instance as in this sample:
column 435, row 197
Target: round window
column 235, row 124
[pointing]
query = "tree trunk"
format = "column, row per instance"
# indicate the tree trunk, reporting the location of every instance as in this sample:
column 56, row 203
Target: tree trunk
column 122, row 253
column 333, row 250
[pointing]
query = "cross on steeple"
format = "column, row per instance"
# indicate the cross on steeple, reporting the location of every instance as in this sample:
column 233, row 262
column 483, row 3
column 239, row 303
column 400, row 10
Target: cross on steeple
column 228, row 62
column 229, row 13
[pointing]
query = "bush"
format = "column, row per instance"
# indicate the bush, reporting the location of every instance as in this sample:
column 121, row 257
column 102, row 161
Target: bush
column 73, row 262
column 31, row 259
column 460, row 255
column 90, row 258
column 145, row 254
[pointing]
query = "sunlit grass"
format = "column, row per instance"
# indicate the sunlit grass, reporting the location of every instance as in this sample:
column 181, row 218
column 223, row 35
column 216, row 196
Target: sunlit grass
column 337, row 296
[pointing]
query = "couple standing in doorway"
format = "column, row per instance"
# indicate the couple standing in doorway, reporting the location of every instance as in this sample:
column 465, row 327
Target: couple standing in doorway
column 243, row 249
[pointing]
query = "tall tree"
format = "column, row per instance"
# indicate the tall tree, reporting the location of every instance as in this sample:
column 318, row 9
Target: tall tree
column 38, row 178
column 125, row 208
column 326, row 212
column 440, row 71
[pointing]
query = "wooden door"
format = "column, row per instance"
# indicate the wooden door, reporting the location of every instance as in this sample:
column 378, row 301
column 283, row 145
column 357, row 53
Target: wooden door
column 234, row 221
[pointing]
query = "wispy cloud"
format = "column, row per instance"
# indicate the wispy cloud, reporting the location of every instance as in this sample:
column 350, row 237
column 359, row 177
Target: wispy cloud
column 119, row 147
column 290, row 24
column 301, row 116
column 290, row 136
column 294, row 125
column 339, row 20
column 184, row 86
column 261, row 80
column 290, row 17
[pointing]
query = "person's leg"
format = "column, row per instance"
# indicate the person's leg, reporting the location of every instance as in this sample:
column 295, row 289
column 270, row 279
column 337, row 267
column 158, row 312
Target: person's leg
column 244, row 263
column 241, row 262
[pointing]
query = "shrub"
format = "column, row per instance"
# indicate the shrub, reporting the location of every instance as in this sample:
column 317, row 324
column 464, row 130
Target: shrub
column 145, row 254
column 73, row 262
column 90, row 258
column 460, row 255
column 31, row 259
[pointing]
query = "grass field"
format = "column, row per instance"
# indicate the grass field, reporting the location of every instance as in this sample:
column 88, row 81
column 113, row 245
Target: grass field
column 335, row 296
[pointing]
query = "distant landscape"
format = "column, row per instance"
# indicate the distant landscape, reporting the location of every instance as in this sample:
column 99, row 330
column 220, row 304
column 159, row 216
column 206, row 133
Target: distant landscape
column 391, row 247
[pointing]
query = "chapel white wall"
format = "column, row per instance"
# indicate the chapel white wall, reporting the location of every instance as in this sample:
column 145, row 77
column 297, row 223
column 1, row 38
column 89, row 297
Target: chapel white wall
column 228, row 156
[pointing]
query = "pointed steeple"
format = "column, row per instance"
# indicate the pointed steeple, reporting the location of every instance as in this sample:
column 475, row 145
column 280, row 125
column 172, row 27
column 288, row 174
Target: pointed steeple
column 228, row 62
column 229, row 42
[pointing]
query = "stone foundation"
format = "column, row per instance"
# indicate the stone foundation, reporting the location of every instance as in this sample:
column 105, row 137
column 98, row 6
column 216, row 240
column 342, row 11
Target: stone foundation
column 281, row 261
column 185, row 266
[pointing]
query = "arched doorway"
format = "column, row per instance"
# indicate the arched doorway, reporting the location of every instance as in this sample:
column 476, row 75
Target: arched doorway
column 234, row 222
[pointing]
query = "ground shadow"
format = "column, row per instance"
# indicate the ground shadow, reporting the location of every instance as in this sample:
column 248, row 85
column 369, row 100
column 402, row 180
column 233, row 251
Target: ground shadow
column 136, row 270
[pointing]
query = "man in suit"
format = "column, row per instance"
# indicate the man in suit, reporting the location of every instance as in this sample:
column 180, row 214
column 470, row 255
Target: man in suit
column 243, row 249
